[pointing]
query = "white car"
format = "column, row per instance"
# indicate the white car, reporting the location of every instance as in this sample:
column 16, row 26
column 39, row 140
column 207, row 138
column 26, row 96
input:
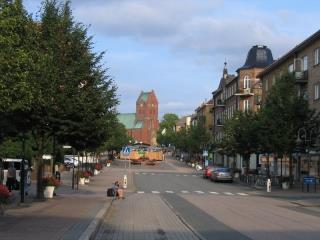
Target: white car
column 71, row 160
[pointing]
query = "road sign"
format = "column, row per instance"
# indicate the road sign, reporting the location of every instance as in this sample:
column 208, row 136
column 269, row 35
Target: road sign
column 126, row 151
column 125, row 181
column 309, row 180
column 205, row 153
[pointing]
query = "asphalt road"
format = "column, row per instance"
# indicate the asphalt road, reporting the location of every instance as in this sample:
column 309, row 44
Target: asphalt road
column 217, row 210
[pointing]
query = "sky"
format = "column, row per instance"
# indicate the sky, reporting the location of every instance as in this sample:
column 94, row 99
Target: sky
column 178, row 47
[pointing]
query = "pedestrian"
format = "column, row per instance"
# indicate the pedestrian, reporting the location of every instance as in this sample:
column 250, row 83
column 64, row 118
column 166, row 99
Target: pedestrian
column 1, row 171
column 11, row 177
column 57, row 172
column 120, row 191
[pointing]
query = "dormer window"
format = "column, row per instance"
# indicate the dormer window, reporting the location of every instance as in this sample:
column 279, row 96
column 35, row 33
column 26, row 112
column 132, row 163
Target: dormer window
column 246, row 82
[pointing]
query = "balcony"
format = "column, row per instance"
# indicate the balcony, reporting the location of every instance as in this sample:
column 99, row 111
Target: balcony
column 219, row 103
column 245, row 92
column 301, row 77
column 219, row 123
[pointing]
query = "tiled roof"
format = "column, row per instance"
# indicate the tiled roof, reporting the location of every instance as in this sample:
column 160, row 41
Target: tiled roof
column 129, row 121
column 144, row 96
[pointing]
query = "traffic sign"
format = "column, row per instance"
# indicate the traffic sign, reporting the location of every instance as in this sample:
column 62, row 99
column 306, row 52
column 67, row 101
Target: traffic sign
column 205, row 153
column 309, row 180
column 126, row 151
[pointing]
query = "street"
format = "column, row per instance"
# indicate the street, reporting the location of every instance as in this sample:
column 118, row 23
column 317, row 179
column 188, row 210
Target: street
column 172, row 201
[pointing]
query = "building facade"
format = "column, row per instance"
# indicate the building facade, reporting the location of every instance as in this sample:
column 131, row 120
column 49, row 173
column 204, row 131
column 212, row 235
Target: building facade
column 143, row 124
column 203, row 115
column 303, row 62
column 240, row 92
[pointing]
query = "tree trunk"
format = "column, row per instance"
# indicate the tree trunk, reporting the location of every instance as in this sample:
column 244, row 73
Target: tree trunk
column 290, row 170
column 268, row 165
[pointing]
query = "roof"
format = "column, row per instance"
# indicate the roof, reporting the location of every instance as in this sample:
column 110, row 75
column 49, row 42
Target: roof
column 291, row 53
column 143, row 96
column 129, row 121
column 258, row 57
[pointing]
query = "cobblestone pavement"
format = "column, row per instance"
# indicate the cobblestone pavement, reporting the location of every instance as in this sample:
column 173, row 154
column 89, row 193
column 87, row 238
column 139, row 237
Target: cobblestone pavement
column 141, row 217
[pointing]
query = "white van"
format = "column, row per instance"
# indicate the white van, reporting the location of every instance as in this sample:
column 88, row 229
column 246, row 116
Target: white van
column 17, row 165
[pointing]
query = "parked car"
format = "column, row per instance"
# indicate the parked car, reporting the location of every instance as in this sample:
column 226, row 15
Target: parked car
column 207, row 171
column 222, row 174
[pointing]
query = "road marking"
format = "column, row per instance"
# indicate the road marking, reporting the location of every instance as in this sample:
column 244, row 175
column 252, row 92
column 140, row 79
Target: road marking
column 156, row 192
column 169, row 192
column 194, row 175
column 140, row 192
column 152, row 173
column 228, row 193
column 185, row 191
column 243, row 194
column 178, row 175
column 214, row 192
column 199, row 192
column 185, row 175
column 144, row 173
column 137, row 173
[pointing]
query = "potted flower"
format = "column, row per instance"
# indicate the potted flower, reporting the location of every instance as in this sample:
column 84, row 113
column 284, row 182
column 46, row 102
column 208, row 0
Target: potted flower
column 81, row 177
column 87, row 175
column 97, row 168
column 49, row 183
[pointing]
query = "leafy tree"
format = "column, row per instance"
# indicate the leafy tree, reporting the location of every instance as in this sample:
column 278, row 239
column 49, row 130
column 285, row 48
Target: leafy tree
column 282, row 115
column 241, row 135
column 166, row 132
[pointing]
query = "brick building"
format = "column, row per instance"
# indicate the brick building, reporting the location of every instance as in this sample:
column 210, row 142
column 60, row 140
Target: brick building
column 143, row 124
column 242, row 91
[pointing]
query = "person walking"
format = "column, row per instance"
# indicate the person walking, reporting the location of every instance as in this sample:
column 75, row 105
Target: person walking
column 11, row 177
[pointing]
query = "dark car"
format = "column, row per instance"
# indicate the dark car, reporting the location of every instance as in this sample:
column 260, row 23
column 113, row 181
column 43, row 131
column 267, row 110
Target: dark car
column 222, row 174
column 207, row 171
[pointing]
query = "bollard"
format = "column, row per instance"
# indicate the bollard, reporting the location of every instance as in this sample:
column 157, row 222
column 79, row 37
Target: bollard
column 125, row 181
column 268, row 185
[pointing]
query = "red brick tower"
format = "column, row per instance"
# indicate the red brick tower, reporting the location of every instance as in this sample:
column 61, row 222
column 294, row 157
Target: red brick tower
column 147, row 112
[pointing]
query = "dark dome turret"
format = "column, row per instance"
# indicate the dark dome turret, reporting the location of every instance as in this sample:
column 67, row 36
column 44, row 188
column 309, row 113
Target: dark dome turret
column 258, row 57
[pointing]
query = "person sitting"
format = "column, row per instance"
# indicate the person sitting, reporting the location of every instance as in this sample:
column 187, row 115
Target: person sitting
column 120, row 192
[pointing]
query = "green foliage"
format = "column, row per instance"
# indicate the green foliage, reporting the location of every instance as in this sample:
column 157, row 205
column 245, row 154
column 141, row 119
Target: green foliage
column 166, row 132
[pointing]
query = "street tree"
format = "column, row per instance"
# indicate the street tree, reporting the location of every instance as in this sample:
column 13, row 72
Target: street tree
column 166, row 132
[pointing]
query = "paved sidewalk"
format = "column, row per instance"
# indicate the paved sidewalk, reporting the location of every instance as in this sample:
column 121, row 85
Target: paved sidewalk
column 143, row 216
column 66, row 216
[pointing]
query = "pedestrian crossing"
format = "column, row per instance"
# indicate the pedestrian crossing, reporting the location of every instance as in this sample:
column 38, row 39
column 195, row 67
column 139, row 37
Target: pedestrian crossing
column 198, row 192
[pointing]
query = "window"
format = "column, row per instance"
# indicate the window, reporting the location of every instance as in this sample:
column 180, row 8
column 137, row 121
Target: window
column 246, row 82
column 317, row 56
column 317, row 91
column 290, row 68
column 305, row 63
column 267, row 85
column 273, row 80
column 246, row 105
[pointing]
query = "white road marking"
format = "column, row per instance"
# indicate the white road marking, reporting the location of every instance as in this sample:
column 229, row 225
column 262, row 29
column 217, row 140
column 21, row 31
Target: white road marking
column 169, row 192
column 137, row 173
column 140, row 192
column 214, row 192
column 178, row 175
column 156, row 192
column 185, row 175
column 243, row 194
column 185, row 191
column 152, row 173
column 194, row 175
column 144, row 173
column 199, row 192
column 228, row 193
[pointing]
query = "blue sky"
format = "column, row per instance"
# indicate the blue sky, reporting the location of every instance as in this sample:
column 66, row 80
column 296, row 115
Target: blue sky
column 178, row 47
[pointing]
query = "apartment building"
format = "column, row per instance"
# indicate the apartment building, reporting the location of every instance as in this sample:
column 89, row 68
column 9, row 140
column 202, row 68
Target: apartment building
column 203, row 115
column 242, row 91
column 304, row 62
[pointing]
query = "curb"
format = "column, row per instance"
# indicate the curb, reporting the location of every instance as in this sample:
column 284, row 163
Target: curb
column 91, row 230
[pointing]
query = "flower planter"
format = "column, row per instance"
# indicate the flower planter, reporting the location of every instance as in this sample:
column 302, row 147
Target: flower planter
column 81, row 181
column 87, row 180
column 285, row 185
column 48, row 191
column 108, row 164
column 96, row 172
